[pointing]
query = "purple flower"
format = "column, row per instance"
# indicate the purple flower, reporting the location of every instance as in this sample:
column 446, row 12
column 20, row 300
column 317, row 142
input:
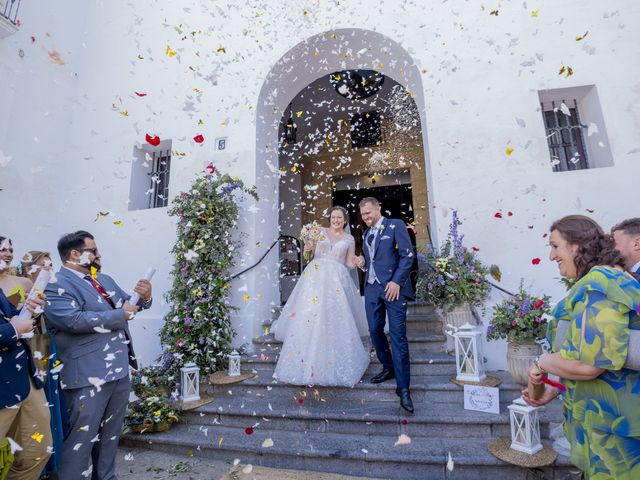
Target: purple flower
column 489, row 329
column 526, row 306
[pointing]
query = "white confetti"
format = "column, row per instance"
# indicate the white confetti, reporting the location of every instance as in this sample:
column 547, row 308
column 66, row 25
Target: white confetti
column 96, row 382
column 403, row 440
column 267, row 443
column 450, row 463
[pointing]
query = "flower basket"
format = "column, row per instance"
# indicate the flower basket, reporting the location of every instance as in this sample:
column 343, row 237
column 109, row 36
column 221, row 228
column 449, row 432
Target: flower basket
column 149, row 427
column 151, row 414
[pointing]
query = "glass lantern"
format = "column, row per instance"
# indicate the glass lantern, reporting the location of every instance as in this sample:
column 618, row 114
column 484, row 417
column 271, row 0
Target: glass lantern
column 469, row 356
column 525, row 427
column 234, row 364
column 190, row 382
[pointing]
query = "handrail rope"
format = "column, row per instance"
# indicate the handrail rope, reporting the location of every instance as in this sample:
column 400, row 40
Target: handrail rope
column 232, row 277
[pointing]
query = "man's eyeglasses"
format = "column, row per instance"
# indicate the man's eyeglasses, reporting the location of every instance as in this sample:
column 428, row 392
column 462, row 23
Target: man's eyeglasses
column 92, row 250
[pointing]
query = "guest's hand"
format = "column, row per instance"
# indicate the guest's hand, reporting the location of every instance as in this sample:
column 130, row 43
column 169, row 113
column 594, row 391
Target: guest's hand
column 535, row 375
column 143, row 288
column 392, row 291
column 550, row 393
column 130, row 310
column 22, row 325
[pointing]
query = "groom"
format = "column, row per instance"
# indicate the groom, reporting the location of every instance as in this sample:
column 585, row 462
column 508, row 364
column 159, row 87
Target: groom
column 388, row 256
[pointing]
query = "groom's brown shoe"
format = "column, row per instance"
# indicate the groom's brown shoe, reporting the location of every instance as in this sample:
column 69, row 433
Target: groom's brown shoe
column 383, row 376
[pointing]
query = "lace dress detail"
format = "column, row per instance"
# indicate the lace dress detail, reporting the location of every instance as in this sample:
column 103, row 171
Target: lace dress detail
column 323, row 321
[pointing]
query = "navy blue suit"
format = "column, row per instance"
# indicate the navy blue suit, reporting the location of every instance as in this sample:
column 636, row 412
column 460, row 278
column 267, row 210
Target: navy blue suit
column 16, row 365
column 392, row 260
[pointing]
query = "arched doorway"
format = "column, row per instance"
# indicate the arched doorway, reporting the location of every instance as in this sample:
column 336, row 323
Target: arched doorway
column 345, row 147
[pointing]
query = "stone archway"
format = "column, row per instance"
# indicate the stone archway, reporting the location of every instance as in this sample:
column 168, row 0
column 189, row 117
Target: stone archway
column 310, row 60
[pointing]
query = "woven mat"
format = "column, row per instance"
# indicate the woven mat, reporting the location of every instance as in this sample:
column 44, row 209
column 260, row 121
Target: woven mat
column 501, row 448
column 204, row 399
column 264, row 473
column 221, row 378
column 489, row 381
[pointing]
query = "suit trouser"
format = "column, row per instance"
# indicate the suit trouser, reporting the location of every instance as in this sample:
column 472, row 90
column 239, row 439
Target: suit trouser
column 95, row 424
column 28, row 424
column 377, row 307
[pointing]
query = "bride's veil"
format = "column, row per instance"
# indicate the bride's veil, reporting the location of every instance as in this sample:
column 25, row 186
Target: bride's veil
column 352, row 271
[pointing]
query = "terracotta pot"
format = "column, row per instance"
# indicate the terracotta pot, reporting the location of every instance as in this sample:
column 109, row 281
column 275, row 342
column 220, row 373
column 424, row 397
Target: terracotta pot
column 456, row 317
column 520, row 356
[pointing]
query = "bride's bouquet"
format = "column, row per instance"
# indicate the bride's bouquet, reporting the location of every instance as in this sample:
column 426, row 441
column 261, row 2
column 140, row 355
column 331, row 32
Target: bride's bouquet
column 311, row 232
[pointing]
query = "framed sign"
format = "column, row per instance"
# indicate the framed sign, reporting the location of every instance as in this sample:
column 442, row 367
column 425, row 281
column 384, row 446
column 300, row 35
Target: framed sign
column 221, row 143
column 482, row 399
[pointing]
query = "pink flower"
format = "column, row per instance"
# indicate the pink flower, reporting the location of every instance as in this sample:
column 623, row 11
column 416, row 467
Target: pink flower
column 514, row 323
column 180, row 342
column 538, row 304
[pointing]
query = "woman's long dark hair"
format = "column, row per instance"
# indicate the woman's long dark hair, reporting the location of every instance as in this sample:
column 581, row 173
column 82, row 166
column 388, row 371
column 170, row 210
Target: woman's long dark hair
column 595, row 247
column 344, row 211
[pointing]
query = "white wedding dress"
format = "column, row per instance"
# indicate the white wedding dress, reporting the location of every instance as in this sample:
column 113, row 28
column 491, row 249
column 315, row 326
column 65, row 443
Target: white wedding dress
column 323, row 321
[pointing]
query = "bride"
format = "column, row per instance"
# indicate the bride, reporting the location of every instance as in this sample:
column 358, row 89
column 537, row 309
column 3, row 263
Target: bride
column 323, row 321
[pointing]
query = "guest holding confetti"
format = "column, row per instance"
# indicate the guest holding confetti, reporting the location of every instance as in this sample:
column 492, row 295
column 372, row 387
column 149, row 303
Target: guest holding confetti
column 602, row 398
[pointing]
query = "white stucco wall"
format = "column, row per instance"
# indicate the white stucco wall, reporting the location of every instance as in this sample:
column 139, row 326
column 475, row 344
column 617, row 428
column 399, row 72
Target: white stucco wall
column 71, row 148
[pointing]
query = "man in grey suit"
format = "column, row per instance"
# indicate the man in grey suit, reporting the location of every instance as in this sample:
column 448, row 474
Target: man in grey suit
column 89, row 315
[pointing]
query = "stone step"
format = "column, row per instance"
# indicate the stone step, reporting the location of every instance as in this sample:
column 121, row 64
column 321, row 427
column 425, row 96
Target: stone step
column 422, row 364
column 432, row 388
column 418, row 343
column 371, row 456
column 358, row 418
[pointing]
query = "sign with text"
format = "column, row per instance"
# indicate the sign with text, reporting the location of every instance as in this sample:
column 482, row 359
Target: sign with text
column 482, row 399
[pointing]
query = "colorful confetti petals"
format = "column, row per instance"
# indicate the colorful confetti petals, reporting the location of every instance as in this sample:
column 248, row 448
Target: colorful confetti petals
column 198, row 139
column 152, row 140
column 535, row 261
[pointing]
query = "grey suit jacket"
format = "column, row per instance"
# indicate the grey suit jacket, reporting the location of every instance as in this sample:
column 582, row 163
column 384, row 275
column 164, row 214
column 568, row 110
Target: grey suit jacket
column 91, row 337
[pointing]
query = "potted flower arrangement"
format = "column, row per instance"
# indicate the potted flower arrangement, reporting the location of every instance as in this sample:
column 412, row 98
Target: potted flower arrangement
column 521, row 320
column 151, row 414
column 159, row 379
column 452, row 279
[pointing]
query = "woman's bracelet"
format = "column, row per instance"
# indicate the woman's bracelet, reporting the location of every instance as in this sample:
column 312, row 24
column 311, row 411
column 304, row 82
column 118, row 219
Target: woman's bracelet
column 541, row 370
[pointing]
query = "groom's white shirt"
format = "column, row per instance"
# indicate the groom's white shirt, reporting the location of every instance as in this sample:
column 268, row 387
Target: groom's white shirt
column 372, row 278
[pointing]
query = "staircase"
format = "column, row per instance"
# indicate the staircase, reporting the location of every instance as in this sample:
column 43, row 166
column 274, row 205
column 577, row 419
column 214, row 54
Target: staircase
column 352, row 431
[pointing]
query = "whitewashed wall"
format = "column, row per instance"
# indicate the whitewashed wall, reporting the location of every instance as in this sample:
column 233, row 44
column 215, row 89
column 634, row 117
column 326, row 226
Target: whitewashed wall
column 71, row 148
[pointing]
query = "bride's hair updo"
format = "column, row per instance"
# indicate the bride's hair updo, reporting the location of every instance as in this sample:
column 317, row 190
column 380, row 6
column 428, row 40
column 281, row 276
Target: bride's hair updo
column 595, row 247
column 345, row 214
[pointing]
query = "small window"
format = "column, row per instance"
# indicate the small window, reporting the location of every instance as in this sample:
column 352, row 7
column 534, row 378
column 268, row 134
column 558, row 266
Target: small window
column 565, row 137
column 575, row 130
column 150, row 177
column 366, row 129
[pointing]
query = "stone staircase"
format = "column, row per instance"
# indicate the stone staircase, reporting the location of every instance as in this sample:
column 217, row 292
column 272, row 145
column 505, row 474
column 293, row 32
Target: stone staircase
column 352, row 431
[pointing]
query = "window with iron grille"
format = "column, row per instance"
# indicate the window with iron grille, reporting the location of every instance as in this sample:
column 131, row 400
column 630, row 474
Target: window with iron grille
column 150, row 175
column 575, row 129
column 159, row 178
column 565, row 136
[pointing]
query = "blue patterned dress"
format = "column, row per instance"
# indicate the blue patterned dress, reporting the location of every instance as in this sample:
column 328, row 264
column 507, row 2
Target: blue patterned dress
column 602, row 416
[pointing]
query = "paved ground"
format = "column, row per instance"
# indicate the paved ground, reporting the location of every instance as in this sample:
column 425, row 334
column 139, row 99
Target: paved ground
column 139, row 464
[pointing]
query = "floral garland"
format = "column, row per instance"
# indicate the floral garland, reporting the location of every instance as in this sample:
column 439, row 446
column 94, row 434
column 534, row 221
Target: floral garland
column 198, row 326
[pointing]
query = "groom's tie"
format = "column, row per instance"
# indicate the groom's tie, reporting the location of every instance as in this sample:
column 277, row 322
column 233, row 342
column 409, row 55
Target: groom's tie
column 370, row 238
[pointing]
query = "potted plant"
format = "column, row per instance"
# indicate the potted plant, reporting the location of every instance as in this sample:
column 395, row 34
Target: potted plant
column 158, row 379
column 151, row 414
column 452, row 279
column 521, row 320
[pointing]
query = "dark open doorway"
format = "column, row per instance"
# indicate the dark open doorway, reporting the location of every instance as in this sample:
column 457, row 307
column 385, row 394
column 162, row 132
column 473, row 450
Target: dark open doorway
column 396, row 201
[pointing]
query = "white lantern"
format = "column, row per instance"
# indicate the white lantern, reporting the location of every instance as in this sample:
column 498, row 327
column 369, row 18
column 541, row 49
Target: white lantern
column 469, row 357
column 525, row 427
column 234, row 364
column 190, row 382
